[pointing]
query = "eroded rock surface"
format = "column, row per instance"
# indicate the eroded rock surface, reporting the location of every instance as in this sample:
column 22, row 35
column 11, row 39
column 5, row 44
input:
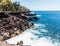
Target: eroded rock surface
column 11, row 25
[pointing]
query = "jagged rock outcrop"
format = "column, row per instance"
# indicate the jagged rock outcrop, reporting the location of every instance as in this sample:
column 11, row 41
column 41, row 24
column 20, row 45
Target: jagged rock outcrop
column 11, row 25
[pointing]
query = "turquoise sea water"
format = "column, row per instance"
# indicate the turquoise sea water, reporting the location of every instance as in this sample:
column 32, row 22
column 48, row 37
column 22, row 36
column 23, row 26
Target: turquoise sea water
column 46, row 31
column 51, row 20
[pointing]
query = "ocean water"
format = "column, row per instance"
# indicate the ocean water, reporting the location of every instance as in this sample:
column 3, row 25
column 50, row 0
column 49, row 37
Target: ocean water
column 46, row 31
column 51, row 20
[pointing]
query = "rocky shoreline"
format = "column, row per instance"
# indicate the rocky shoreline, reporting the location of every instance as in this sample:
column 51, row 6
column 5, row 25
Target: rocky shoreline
column 12, row 24
column 3, row 43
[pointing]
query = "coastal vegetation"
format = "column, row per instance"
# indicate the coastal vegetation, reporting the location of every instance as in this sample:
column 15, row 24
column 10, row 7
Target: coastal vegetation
column 8, row 5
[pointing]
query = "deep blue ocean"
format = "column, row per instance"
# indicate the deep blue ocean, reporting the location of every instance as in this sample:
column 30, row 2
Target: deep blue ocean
column 51, row 20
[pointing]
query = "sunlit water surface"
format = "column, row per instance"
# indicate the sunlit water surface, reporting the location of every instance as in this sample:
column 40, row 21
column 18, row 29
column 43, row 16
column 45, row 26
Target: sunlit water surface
column 46, row 31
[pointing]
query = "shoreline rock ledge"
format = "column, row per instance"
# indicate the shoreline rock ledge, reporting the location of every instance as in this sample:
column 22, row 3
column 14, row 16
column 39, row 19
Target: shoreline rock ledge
column 12, row 25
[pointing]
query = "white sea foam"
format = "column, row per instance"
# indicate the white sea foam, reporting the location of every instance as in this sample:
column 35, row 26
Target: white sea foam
column 43, row 30
column 39, row 15
column 39, row 24
column 29, row 39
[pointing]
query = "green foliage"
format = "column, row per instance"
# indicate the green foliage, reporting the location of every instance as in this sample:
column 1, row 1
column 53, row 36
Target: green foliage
column 12, row 6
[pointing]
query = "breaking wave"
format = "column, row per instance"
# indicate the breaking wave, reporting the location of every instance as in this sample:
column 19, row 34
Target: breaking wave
column 34, row 36
column 37, row 36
